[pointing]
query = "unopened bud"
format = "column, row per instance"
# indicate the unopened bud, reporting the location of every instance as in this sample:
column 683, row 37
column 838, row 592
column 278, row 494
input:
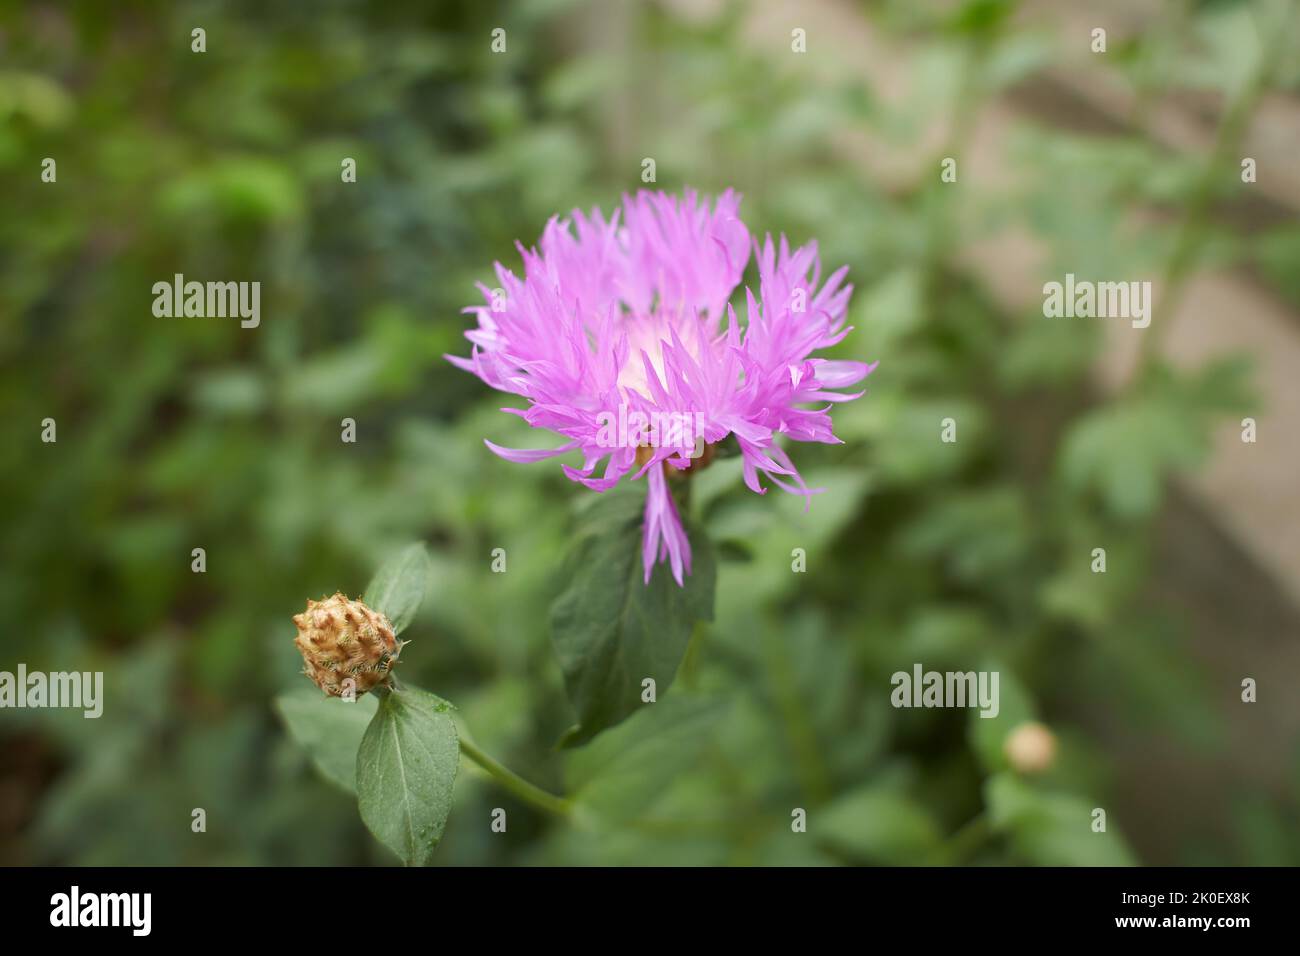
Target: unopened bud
column 1030, row 747
column 341, row 639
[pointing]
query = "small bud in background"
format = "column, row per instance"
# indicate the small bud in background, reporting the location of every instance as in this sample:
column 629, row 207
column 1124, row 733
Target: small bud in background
column 345, row 645
column 1030, row 747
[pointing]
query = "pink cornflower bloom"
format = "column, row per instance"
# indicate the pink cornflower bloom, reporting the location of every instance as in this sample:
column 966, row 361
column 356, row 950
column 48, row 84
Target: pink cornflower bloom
column 621, row 337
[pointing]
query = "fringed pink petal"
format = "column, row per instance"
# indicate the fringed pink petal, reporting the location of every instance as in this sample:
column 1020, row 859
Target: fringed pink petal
column 664, row 535
column 526, row 455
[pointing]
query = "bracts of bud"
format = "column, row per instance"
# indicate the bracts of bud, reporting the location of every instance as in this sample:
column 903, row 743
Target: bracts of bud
column 348, row 649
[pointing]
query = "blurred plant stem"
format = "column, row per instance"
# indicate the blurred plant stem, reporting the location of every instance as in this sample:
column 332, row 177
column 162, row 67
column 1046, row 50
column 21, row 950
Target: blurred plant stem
column 971, row 94
column 1192, row 230
column 1170, row 26
column 810, row 767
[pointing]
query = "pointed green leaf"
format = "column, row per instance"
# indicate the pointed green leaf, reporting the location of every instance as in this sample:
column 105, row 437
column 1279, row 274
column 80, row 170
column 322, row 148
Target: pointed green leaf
column 609, row 628
column 406, row 769
column 398, row 587
column 329, row 729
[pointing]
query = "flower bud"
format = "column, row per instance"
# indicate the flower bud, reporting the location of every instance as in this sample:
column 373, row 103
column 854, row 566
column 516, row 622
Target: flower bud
column 1030, row 747
column 341, row 639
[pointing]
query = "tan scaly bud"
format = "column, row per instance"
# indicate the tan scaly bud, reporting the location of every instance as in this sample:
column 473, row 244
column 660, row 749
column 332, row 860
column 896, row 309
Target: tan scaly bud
column 341, row 639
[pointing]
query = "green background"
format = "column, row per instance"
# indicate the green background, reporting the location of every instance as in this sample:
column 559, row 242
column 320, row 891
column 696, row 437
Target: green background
column 183, row 433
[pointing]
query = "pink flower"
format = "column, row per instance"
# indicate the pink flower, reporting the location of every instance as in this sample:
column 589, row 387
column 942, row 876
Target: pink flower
column 622, row 338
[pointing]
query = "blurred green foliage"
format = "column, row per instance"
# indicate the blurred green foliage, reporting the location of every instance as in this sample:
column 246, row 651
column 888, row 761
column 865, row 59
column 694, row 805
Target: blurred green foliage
column 175, row 434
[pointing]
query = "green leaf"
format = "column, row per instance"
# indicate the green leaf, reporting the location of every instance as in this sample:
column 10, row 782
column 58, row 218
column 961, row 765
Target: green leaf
column 609, row 628
column 329, row 729
column 406, row 769
column 246, row 189
column 621, row 773
column 988, row 735
column 981, row 534
column 1051, row 829
column 1087, row 598
column 398, row 587
column 1123, row 451
column 876, row 824
column 980, row 17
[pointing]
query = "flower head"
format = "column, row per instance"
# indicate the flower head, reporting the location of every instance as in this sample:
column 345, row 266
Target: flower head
column 621, row 336
column 342, row 640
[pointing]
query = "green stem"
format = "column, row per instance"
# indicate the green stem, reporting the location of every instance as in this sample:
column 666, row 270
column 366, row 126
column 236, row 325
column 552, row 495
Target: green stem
column 1227, row 146
column 516, row 784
